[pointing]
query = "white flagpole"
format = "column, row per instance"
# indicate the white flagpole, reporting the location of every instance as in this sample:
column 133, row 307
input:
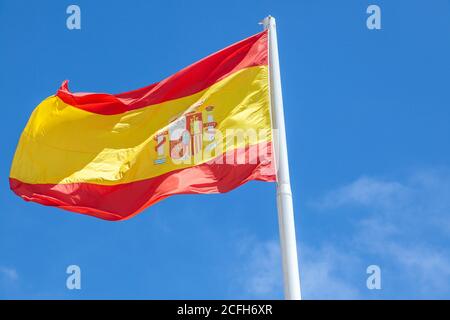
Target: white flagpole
column 284, row 193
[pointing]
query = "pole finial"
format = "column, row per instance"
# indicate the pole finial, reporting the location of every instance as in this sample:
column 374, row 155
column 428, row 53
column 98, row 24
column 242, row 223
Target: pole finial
column 267, row 22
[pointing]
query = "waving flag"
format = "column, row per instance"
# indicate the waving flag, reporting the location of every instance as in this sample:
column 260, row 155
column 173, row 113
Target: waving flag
column 205, row 129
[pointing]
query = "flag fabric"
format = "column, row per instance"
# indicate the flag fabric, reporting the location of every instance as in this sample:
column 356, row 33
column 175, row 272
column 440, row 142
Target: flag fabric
column 205, row 129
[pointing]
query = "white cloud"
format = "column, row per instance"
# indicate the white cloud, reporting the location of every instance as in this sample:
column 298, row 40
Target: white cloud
column 324, row 272
column 9, row 273
column 403, row 223
column 365, row 191
column 400, row 224
column 429, row 267
column 260, row 271
column 321, row 270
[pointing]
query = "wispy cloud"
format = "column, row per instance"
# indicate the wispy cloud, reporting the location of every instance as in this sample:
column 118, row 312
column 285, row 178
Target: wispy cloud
column 9, row 274
column 260, row 273
column 365, row 191
column 402, row 223
column 325, row 272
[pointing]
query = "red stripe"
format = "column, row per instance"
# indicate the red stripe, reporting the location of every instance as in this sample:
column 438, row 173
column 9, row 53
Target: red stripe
column 195, row 78
column 120, row 202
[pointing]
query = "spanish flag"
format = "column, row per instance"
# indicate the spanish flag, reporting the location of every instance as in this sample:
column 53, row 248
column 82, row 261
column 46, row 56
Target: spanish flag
column 205, row 129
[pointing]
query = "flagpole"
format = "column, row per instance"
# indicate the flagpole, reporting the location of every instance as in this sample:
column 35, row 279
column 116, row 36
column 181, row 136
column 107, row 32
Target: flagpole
column 284, row 194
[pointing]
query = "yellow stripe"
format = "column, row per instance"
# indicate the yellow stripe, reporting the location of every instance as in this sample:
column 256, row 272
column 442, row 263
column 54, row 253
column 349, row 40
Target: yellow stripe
column 64, row 144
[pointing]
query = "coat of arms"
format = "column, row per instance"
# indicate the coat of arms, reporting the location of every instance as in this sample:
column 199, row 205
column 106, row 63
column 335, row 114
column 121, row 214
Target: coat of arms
column 185, row 136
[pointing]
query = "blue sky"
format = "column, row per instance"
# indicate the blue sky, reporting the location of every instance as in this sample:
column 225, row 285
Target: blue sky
column 367, row 116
